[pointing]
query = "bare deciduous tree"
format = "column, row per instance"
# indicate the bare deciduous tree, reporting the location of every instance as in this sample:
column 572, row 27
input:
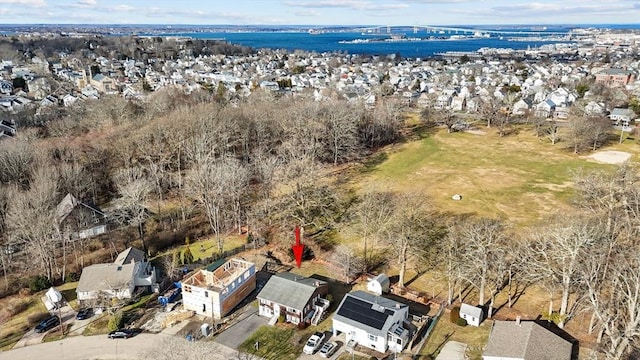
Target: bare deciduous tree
column 483, row 250
column 413, row 233
column 130, row 208
column 346, row 260
column 373, row 214
column 219, row 186
column 31, row 218
column 557, row 250
column 613, row 291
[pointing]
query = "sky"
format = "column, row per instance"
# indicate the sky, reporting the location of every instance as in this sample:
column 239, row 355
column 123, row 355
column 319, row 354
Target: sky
column 320, row 12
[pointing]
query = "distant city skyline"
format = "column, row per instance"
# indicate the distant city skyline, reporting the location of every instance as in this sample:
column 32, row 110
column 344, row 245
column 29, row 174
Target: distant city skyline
column 319, row 12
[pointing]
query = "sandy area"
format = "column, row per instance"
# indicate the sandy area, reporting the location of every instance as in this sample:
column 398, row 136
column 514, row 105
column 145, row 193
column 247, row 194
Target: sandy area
column 610, row 157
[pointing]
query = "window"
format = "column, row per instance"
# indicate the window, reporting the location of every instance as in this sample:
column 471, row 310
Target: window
column 206, row 294
column 373, row 337
column 399, row 341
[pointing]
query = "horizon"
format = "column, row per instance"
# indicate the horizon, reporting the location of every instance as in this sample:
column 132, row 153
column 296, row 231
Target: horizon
column 359, row 26
column 318, row 12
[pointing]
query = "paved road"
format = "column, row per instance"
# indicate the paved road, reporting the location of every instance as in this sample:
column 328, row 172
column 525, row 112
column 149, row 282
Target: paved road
column 99, row 347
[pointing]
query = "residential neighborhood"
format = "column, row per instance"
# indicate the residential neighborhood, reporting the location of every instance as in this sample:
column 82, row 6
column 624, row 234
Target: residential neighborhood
column 452, row 207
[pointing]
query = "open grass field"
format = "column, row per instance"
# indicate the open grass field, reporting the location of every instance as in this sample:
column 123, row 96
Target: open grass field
column 518, row 177
column 207, row 247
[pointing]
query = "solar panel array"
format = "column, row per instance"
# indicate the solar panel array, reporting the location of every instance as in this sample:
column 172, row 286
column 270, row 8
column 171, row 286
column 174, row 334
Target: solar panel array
column 362, row 312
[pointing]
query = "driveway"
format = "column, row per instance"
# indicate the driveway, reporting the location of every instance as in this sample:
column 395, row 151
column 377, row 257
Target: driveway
column 452, row 350
column 241, row 330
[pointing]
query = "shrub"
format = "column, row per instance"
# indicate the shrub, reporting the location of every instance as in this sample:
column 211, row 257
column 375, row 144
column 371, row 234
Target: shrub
column 461, row 322
column 71, row 277
column 24, row 292
column 454, row 315
column 115, row 322
column 39, row 283
column 187, row 256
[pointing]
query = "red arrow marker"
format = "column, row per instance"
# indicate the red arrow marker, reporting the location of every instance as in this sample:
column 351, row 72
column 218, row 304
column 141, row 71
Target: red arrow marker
column 298, row 248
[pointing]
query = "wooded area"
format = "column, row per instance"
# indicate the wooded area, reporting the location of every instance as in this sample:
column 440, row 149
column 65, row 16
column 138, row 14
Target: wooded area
column 262, row 164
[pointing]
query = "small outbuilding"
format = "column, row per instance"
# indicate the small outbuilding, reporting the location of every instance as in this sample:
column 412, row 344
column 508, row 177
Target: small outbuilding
column 472, row 314
column 379, row 284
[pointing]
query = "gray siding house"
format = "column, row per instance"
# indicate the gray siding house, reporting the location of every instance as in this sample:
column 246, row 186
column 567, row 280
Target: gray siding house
column 299, row 299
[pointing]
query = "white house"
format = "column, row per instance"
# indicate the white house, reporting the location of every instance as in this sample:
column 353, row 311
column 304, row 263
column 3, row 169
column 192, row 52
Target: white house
column 594, row 109
column 379, row 284
column 372, row 321
column 216, row 290
column 622, row 115
column 545, row 109
column 472, row 314
column 521, row 107
column 118, row 279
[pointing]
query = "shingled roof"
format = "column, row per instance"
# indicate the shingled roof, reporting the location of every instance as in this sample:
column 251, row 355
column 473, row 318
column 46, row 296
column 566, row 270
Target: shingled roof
column 290, row 290
column 106, row 277
column 525, row 340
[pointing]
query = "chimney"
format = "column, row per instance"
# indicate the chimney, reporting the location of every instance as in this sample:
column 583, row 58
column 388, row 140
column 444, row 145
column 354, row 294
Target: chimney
column 518, row 320
column 397, row 305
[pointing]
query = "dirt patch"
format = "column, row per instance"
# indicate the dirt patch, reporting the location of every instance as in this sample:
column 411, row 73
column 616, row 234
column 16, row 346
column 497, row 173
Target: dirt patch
column 610, row 157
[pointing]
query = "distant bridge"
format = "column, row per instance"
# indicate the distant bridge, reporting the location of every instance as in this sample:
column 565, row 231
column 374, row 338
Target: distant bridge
column 391, row 29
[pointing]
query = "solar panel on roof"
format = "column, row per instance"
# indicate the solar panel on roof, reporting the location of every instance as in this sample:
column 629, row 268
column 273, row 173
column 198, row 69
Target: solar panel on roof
column 362, row 312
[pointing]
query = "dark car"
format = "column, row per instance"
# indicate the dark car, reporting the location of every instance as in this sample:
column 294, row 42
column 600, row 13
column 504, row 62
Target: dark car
column 47, row 324
column 121, row 334
column 84, row 314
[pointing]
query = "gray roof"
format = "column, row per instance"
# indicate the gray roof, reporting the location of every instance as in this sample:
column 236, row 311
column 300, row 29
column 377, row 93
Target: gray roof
column 621, row 112
column 129, row 254
column 105, row 277
column 290, row 290
column 382, row 279
column 474, row 311
column 528, row 340
column 375, row 317
column 68, row 203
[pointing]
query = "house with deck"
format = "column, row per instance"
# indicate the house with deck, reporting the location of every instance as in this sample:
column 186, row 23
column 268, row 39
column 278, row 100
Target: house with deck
column 297, row 299
column 372, row 321
column 217, row 289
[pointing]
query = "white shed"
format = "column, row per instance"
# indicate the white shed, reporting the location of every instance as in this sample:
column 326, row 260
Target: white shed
column 473, row 314
column 379, row 284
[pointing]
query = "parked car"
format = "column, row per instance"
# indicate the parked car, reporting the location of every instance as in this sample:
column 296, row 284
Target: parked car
column 48, row 323
column 84, row 314
column 328, row 349
column 121, row 334
column 313, row 343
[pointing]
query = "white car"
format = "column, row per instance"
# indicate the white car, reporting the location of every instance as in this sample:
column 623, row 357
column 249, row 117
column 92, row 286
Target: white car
column 313, row 343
